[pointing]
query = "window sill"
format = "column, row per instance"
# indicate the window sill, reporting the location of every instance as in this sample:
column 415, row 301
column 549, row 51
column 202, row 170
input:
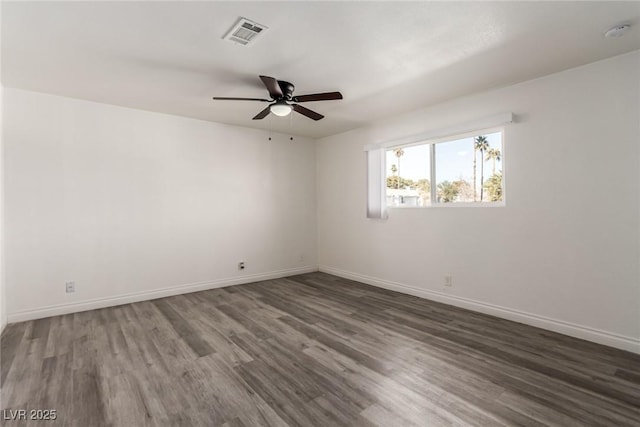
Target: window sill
column 454, row 205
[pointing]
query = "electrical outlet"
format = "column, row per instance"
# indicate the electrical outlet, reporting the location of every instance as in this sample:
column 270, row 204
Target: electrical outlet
column 448, row 280
column 70, row 287
column 241, row 265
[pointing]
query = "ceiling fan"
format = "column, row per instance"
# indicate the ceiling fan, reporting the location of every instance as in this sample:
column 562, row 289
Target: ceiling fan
column 282, row 99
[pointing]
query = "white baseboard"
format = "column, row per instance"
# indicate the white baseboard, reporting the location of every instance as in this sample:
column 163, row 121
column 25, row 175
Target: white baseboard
column 59, row 309
column 555, row 325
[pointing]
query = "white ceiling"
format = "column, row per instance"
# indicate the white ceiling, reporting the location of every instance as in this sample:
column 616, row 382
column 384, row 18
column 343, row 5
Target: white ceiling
column 385, row 57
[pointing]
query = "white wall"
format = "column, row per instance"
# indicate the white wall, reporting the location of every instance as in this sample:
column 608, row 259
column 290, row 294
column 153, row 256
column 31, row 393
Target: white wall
column 131, row 204
column 3, row 311
column 565, row 247
column 3, row 298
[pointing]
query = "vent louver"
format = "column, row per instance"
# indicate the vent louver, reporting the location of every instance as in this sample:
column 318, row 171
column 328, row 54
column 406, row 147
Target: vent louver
column 245, row 32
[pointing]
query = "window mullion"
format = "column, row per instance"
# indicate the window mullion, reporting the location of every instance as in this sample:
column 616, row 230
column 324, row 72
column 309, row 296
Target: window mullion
column 432, row 172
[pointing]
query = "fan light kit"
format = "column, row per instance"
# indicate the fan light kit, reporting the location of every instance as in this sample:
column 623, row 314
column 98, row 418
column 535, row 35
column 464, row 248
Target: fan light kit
column 280, row 108
column 281, row 93
column 617, row 31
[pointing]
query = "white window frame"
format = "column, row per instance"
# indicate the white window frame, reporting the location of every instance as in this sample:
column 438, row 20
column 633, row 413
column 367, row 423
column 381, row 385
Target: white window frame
column 432, row 170
column 376, row 202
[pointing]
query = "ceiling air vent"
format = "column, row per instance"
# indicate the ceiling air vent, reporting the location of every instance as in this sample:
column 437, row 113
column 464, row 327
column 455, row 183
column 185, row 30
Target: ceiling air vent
column 245, row 31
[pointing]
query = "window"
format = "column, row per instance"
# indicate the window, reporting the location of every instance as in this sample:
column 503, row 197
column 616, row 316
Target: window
column 409, row 176
column 464, row 169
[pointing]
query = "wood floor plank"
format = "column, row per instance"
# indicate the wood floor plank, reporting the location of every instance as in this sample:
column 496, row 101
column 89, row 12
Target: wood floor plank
column 12, row 338
column 88, row 398
column 184, row 330
column 310, row 350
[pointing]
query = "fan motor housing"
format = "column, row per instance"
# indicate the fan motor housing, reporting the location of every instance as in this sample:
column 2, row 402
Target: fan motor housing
column 287, row 89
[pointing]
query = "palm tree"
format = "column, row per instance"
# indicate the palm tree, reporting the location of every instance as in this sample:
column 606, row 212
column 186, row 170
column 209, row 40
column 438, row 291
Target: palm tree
column 480, row 144
column 494, row 155
column 447, row 191
column 392, row 181
column 399, row 153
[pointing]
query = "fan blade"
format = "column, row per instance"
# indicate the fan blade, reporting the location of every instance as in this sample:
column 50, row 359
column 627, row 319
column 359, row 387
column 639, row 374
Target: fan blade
column 272, row 86
column 328, row 96
column 262, row 114
column 306, row 112
column 222, row 98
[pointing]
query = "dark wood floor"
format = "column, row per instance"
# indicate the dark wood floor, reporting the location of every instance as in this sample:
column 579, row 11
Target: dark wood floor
column 310, row 350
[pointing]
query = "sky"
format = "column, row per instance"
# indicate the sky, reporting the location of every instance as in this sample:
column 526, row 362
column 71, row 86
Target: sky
column 454, row 159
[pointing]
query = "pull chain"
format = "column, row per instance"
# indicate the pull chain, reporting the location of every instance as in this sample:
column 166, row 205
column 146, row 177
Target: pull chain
column 291, row 126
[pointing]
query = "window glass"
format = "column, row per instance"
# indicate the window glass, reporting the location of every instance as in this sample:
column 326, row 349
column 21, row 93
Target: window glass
column 408, row 176
column 465, row 170
column 469, row 169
